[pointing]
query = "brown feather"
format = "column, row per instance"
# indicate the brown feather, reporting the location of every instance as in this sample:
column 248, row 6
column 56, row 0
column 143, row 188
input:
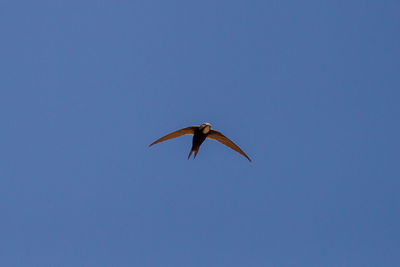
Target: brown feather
column 183, row 131
column 191, row 151
column 225, row 140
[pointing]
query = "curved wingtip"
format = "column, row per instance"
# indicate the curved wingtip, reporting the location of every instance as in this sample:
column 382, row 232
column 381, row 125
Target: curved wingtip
column 183, row 131
column 247, row 157
column 226, row 141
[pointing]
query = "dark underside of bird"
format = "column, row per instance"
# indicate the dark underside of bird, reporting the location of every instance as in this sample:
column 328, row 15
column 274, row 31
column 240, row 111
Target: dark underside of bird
column 201, row 133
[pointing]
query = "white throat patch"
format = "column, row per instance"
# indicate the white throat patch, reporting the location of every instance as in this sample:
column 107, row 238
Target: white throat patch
column 206, row 129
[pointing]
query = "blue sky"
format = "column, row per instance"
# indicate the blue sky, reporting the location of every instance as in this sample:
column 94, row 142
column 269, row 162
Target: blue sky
column 308, row 89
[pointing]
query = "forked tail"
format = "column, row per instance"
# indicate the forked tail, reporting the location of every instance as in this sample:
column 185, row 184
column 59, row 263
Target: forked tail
column 195, row 152
column 191, row 151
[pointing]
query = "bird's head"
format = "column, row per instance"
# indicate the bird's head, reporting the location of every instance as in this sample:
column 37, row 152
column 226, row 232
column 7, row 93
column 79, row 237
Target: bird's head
column 205, row 128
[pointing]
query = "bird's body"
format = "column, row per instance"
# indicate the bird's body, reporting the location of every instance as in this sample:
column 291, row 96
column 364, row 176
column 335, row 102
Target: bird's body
column 201, row 133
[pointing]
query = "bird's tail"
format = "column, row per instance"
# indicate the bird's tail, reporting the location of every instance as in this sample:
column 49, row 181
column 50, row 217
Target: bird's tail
column 195, row 152
column 191, row 151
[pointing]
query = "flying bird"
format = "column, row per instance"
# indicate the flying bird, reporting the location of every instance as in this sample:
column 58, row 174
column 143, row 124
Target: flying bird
column 200, row 133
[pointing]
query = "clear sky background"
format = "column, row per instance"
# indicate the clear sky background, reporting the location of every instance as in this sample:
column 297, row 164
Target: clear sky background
column 308, row 89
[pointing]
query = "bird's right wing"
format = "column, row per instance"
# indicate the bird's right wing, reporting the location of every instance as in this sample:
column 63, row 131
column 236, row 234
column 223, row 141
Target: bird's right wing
column 226, row 141
column 183, row 131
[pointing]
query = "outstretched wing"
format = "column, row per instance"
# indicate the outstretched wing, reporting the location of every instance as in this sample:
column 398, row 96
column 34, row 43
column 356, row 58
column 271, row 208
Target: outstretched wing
column 225, row 140
column 183, row 131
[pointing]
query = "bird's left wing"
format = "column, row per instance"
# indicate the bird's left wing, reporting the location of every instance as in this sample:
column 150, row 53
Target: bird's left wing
column 225, row 140
column 183, row 131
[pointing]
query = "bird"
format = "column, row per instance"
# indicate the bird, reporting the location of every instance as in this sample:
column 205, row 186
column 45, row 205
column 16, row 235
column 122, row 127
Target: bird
column 201, row 133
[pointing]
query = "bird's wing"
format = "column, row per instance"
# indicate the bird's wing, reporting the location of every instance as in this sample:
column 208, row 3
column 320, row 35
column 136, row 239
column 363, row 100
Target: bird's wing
column 183, row 131
column 225, row 140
